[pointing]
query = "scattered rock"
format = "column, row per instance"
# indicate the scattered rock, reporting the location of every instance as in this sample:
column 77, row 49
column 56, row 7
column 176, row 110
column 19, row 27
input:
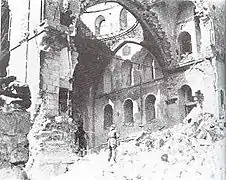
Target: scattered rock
column 164, row 157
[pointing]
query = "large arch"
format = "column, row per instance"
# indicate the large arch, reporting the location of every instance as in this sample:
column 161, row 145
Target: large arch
column 124, row 43
column 134, row 41
column 154, row 37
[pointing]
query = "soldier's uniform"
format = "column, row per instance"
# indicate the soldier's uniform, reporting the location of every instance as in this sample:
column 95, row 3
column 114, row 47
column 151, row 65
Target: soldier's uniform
column 112, row 143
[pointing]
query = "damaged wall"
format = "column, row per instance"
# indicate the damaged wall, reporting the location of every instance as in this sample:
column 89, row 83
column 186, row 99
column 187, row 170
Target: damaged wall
column 45, row 63
column 120, row 82
column 197, row 69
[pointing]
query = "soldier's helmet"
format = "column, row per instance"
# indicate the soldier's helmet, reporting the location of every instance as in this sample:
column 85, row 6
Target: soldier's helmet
column 112, row 127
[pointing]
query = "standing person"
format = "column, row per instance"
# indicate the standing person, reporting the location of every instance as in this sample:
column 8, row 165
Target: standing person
column 112, row 143
column 82, row 142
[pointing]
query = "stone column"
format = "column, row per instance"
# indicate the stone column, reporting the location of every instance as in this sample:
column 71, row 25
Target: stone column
column 51, row 136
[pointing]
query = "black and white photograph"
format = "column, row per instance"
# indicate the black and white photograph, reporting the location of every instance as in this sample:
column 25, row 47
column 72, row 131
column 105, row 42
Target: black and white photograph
column 113, row 90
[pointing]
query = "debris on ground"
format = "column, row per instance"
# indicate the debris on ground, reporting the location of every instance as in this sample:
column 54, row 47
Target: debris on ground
column 193, row 149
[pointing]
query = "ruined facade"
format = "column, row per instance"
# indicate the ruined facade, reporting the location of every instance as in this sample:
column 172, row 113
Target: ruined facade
column 138, row 64
column 141, row 88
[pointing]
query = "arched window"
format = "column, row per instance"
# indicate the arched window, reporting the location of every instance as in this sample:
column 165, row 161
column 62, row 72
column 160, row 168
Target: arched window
column 186, row 100
column 108, row 116
column 150, row 108
column 123, row 19
column 98, row 24
column 128, row 112
column 186, row 93
column 222, row 97
column 184, row 41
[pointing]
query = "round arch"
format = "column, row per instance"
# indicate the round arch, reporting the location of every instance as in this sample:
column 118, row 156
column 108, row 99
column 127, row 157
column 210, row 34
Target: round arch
column 133, row 41
column 186, row 92
column 149, row 23
column 124, row 42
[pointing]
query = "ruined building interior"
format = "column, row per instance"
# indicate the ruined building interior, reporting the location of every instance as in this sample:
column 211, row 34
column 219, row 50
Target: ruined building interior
column 142, row 65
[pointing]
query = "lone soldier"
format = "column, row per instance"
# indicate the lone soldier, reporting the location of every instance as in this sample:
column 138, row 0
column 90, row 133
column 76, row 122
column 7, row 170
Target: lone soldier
column 112, row 143
column 82, row 142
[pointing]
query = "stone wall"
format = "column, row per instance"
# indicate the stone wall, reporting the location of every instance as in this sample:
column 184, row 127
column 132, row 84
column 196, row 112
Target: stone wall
column 51, row 137
column 168, row 110
column 121, row 81
column 218, row 12
column 52, row 147
column 46, row 63
column 14, row 145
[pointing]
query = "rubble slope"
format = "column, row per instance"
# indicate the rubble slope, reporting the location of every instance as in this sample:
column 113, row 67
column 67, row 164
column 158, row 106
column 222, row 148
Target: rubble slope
column 193, row 149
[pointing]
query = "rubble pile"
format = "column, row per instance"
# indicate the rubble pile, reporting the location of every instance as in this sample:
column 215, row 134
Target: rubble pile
column 194, row 149
column 51, row 150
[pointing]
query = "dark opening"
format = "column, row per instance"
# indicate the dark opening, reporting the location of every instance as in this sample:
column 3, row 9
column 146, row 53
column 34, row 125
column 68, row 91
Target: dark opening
column 108, row 116
column 150, row 108
column 128, row 112
column 63, row 98
column 185, row 43
column 66, row 17
column 222, row 97
column 186, row 100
